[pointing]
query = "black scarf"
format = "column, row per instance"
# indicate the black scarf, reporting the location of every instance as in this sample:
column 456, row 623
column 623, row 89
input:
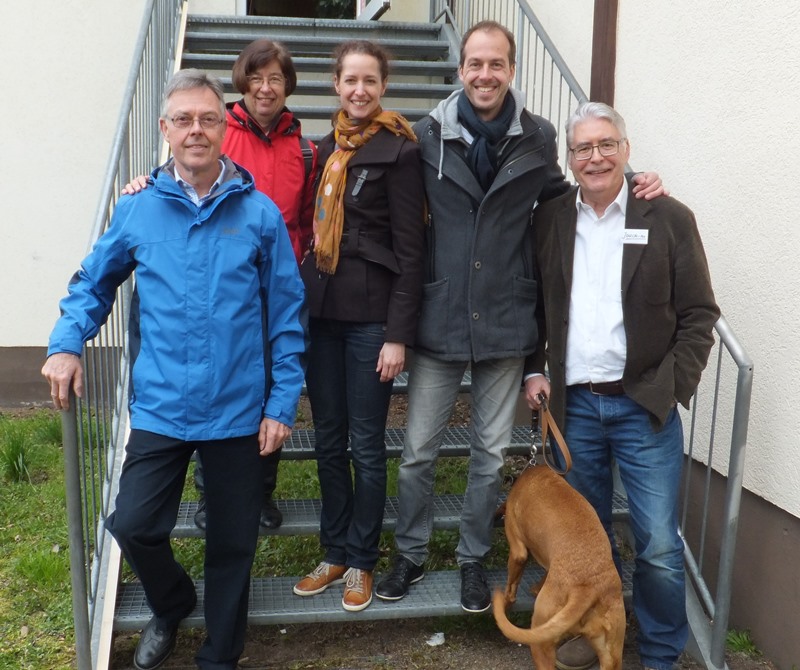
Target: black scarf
column 482, row 154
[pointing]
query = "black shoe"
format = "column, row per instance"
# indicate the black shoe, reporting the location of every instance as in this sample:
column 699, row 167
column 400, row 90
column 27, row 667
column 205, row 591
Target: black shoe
column 475, row 595
column 200, row 514
column 154, row 646
column 271, row 516
column 394, row 586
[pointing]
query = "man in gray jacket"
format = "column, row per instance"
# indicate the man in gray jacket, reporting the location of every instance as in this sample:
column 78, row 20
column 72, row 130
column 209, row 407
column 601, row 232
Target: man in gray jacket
column 486, row 161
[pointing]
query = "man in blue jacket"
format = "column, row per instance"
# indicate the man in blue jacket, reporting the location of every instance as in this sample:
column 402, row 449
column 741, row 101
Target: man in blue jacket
column 215, row 346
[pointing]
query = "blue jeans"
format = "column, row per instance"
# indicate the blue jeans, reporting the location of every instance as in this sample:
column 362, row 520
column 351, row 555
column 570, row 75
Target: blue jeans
column 349, row 400
column 433, row 387
column 602, row 429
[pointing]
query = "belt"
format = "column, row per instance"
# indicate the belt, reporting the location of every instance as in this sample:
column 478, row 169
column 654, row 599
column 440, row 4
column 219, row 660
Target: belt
column 602, row 388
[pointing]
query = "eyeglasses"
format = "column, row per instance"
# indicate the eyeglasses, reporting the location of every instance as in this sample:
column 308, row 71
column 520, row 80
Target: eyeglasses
column 274, row 80
column 207, row 122
column 583, row 152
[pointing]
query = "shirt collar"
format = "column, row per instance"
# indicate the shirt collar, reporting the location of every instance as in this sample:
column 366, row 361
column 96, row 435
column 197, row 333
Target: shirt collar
column 189, row 189
column 621, row 200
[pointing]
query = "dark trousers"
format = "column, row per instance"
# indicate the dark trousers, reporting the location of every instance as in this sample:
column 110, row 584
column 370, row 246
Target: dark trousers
column 269, row 463
column 349, row 404
column 147, row 503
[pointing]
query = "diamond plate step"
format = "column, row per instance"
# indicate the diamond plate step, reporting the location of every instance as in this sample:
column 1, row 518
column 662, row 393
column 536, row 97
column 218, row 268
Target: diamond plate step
column 273, row 602
column 301, row 516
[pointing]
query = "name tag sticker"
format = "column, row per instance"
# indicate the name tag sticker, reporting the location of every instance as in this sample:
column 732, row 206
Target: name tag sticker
column 635, row 236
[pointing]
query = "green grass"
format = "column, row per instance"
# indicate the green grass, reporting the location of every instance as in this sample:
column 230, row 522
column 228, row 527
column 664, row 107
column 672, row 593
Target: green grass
column 35, row 599
column 739, row 641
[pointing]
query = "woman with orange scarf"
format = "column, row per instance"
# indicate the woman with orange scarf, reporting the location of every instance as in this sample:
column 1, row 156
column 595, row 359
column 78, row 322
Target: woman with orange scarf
column 363, row 282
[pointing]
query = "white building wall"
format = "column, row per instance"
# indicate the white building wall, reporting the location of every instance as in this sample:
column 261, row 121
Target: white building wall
column 709, row 94
column 65, row 67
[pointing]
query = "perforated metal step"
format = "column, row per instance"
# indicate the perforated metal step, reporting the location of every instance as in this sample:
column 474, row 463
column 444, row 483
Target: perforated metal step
column 273, row 602
column 322, row 45
column 301, row 516
column 455, row 442
column 323, row 65
column 280, row 27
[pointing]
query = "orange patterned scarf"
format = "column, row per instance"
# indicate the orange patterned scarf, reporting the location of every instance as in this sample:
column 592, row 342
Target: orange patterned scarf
column 329, row 211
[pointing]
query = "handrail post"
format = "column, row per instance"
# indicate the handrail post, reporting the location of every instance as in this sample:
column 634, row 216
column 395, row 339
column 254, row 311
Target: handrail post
column 77, row 566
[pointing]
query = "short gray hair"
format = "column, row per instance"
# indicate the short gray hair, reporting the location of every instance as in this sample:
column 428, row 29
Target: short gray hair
column 191, row 78
column 594, row 110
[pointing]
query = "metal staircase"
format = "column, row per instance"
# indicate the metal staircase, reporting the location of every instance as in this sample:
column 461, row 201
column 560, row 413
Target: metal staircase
column 422, row 72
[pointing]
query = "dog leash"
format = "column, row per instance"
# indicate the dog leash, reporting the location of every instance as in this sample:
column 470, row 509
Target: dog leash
column 547, row 425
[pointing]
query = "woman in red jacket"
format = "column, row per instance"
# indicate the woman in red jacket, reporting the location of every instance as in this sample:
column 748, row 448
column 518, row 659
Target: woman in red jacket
column 263, row 136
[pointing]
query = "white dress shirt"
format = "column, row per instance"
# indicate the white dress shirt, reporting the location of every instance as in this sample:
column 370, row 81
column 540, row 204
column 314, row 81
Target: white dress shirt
column 596, row 345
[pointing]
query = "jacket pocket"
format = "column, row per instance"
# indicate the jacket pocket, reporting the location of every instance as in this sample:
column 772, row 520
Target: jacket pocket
column 656, row 279
column 524, row 295
column 432, row 329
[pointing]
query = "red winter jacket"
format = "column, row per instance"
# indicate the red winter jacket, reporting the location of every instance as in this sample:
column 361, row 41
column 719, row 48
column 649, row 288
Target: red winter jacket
column 276, row 162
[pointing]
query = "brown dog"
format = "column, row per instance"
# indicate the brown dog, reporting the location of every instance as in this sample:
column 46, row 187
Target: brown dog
column 581, row 592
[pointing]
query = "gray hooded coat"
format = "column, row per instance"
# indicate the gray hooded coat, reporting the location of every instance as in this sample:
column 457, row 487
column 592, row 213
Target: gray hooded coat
column 480, row 293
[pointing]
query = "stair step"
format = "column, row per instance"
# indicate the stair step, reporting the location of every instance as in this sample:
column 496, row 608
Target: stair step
column 401, row 383
column 326, row 112
column 301, row 516
column 280, row 27
column 306, row 64
column 393, row 90
column 272, row 601
column 455, row 442
column 301, row 45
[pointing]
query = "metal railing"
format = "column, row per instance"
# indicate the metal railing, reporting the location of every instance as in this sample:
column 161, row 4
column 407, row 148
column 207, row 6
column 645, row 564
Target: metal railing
column 95, row 427
column 553, row 92
column 550, row 88
column 715, row 408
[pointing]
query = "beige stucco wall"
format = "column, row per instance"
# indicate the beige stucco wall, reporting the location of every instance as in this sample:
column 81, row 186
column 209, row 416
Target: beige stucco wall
column 569, row 24
column 65, row 67
column 708, row 91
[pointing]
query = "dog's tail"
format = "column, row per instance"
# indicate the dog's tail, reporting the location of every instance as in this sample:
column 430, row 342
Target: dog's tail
column 558, row 625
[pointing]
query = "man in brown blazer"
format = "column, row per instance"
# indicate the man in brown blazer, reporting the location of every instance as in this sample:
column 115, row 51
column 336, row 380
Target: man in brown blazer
column 628, row 311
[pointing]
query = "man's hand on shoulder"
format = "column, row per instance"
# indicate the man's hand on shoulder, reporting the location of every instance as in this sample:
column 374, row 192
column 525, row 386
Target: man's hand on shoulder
column 136, row 185
column 648, row 185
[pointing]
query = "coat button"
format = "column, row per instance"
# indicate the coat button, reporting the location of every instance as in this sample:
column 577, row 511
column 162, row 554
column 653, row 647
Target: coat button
column 475, row 316
column 477, row 265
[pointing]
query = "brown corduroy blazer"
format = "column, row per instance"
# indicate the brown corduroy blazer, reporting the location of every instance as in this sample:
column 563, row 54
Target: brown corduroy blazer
column 668, row 304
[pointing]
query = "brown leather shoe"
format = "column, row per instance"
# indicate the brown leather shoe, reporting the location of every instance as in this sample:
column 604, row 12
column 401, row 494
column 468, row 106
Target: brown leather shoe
column 357, row 590
column 319, row 579
column 575, row 654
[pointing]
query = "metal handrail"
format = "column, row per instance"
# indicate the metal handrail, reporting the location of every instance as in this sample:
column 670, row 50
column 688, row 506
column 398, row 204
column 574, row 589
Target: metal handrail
column 95, row 427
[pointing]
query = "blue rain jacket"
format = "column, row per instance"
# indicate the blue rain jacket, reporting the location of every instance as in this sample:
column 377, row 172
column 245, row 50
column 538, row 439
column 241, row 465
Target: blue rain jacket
column 215, row 328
